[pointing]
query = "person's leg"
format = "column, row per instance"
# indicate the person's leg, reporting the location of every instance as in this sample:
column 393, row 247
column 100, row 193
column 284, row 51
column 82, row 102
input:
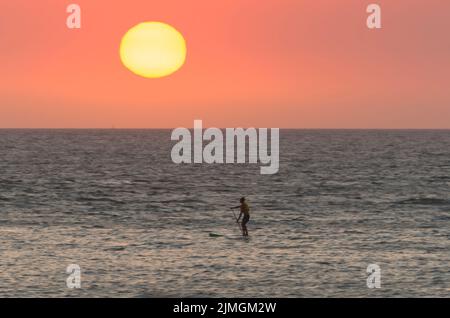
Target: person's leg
column 244, row 226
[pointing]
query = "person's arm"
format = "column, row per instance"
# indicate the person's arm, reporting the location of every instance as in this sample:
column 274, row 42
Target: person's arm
column 235, row 207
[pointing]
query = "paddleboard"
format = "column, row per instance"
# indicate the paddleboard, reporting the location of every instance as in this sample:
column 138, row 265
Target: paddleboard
column 215, row 235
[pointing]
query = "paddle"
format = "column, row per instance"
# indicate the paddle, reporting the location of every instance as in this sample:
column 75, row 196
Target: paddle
column 237, row 221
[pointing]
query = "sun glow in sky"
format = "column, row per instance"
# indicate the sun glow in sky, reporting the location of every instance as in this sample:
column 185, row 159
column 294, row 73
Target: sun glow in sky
column 274, row 63
column 153, row 49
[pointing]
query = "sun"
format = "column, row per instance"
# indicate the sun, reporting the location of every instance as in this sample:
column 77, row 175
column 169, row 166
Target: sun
column 153, row 49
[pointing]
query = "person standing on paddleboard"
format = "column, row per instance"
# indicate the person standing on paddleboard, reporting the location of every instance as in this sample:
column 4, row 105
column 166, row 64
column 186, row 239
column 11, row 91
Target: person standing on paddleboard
column 245, row 211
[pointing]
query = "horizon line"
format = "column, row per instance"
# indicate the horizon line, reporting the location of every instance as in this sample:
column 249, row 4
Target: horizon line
column 166, row 128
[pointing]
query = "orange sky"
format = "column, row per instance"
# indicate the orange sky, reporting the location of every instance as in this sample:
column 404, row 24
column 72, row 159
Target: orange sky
column 262, row 63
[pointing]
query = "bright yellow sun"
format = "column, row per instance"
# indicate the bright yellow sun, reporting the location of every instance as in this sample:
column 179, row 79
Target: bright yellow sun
column 153, row 49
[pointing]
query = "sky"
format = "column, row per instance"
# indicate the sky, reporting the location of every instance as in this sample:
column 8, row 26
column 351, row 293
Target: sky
column 250, row 63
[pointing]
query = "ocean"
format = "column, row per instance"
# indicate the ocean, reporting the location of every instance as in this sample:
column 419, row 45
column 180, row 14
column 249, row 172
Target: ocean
column 138, row 225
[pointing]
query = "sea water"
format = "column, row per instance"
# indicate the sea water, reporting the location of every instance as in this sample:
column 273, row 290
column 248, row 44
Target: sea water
column 113, row 202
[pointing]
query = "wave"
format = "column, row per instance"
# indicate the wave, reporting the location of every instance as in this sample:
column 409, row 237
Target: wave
column 424, row 201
